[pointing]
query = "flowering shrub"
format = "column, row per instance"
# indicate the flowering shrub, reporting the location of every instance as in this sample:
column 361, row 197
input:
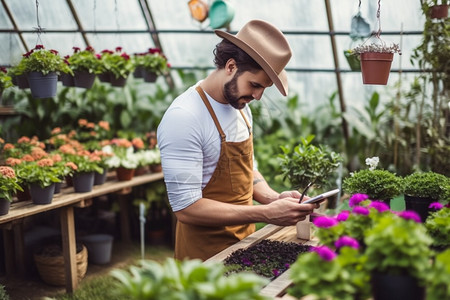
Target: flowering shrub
column 438, row 225
column 9, row 183
column 123, row 154
column 115, row 62
column 46, row 61
column 152, row 61
column 84, row 60
column 40, row 172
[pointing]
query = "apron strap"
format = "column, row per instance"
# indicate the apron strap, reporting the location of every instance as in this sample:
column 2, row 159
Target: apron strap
column 211, row 112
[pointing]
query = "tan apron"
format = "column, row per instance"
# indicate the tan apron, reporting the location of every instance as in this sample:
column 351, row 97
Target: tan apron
column 231, row 182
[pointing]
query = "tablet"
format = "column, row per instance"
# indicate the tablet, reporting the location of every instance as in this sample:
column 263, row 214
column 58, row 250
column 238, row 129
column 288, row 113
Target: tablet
column 321, row 197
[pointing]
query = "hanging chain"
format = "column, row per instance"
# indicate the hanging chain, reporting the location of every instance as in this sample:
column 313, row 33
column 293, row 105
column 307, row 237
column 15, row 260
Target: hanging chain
column 39, row 30
column 379, row 19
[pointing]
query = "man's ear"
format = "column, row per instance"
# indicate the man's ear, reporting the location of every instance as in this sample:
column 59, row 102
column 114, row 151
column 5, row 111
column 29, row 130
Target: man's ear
column 230, row 66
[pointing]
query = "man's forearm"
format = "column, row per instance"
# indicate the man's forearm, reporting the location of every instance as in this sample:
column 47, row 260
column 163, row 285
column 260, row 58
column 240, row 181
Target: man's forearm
column 262, row 192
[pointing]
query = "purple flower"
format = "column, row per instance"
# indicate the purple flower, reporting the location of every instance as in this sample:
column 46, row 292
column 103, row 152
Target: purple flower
column 380, row 206
column 356, row 199
column 324, row 252
column 359, row 210
column 346, row 241
column 275, row 272
column 325, row 222
column 246, row 262
column 342, row 216
column 410, row 215
column 435, row 206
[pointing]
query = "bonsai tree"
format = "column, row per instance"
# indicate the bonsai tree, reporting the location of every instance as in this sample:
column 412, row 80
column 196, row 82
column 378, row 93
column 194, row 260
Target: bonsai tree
column 378, row 184
column 307, row 163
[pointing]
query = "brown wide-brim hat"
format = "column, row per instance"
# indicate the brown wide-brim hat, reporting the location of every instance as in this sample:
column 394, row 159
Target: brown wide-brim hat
column 267, row 45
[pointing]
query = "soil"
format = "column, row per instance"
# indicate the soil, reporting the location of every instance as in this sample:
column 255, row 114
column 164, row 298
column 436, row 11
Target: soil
column 31, row 287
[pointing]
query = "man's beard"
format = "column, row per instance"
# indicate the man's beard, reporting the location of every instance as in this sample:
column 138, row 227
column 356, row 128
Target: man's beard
column 230, row 93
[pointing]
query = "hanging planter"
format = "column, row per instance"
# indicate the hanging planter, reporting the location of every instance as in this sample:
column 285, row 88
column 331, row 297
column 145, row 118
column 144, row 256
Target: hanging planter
column 353, row 60
column 151, row 64
column 117, row 65
column 439, row 11
column 84, row 64
column 43, row 86
column 67, row 80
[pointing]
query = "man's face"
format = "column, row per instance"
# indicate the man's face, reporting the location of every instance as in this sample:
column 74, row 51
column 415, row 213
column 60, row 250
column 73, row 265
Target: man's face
column 245, row 87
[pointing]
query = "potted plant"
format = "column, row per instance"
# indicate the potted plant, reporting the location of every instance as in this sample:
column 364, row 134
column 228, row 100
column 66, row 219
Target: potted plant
column 9, row 185
column 174, row 279
column 85, row 165
column 423, row 188
column 438, row 226
column 41, row 176
column 435, row 9
column 378, row 184
column 151, row 64
column 117, row 65
column 5, row 81
column 438, row 288
column 124, row 160
column 42, row 68
column 306, row 163
column 85, row 65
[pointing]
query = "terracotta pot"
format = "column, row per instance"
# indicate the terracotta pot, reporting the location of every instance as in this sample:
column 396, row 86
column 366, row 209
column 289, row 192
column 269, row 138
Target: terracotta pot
column 375, row 67
column 156, row 168
column 439, row 11
column 141, row 171
column 124, row 174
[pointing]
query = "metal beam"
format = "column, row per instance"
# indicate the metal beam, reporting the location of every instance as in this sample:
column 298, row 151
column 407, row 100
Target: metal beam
column 337, row 70
column 77, row 20
column 16, row 29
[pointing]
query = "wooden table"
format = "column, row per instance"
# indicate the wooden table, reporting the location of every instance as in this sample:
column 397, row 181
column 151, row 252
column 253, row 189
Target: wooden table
column 65, row 202
column 276, row 288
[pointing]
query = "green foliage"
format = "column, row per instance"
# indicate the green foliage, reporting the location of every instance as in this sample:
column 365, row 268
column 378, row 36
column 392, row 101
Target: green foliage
column 84, row 60
column 341, row 278
column 45, row 61
column 438, row 227
column 117, row 63
column 152, row 61
column 307, row 163
column 85, row 163
column 438, row 288
column 9, row 183
column 188, row 279
column 378, row 184
column 398, row 246
column 31, row 172
column 426, row 184
column 3, row 294
column 5, row 80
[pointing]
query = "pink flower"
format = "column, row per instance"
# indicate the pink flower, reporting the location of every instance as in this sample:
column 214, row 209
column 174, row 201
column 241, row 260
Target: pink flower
column 325, row 222
column 410, row 215
column 356, row 199
column 346, row 241
column 378, row 205
column 359, row 210
column 342, row 216
column 435, row 206
column 324, row 252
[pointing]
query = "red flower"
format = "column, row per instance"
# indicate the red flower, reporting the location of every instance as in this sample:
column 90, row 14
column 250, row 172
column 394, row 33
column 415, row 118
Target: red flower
column 126, row 56
column 76, row 49
column 39, row 47
column 3, row 70
column 118, row 49
column 154, row 50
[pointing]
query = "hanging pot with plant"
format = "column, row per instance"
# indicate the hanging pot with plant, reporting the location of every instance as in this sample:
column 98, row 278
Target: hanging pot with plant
column 376, row 57
column 438, row 9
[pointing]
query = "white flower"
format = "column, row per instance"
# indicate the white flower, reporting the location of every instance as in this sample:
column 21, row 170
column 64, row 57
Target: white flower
column 372, row 162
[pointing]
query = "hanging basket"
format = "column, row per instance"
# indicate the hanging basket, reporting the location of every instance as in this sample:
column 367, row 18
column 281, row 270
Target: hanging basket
column 439, row 11
column 150, row 76
column 353, row 60
column 43, row 86
column 50, row 264
column 118, row 82
column 84, row 79
column 375, row 67
column 67, row 80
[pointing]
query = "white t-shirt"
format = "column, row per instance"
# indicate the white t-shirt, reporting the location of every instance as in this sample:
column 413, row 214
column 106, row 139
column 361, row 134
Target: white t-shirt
column 190, row 144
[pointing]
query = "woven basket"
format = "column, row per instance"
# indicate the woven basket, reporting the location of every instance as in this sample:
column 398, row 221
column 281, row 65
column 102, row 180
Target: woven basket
column 51, row 266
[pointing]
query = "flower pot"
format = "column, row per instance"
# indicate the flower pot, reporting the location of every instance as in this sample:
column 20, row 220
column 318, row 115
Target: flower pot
column 141, row 171
column 394, row 287
column 118, row 82
column 84, row 79
column 439, row 11
column 43, row 86
column 100, row 178
column 69, row 180
column 22, row 81
column 375, row 67
column 124, row 174
column 150, row 76
column 41, row 195
column 58, row 186
column 419, row 205
column 353, row 61
column 99, row 247
column 83, row 182
column 67, row 80
column 104, row 77
column 156, row 168
column 138, row 72
column 221, row 13
column 25, row 195
column 4, row 206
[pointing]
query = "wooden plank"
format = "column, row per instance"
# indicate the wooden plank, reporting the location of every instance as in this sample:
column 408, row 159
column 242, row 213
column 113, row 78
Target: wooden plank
column 69, row 248
column 278, row 286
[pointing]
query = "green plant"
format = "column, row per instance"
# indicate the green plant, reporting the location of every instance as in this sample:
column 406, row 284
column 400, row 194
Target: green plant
column 378, row 184
column 398, row 246
column 438, row 227
column 438, row 288
column 40, row 172
column 324, row 274
column 116, row 62
column 152, row 61
column 5, row 80
column 426, row 184
column 9, row 183
column 85, row 162
column 123, row 154
column 3, row 294
column 45, row 61
column 188, row 279
column 307, row 163
column 84, row 60
column 379, row 47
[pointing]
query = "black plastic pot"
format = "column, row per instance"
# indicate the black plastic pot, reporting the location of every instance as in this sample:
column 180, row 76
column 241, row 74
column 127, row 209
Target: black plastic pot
column 419, row 205
column 396, row 287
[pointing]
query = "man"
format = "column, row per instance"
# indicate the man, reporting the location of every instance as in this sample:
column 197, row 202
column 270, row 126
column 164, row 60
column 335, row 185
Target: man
column 205, row 139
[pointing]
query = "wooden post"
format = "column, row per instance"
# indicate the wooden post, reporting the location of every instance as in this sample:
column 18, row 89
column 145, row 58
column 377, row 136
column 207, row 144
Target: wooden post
column 69, row 247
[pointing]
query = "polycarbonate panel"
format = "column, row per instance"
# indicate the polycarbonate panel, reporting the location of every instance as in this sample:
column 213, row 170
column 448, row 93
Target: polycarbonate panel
column 11, row 49
column 130, row 43
column 61, row 42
